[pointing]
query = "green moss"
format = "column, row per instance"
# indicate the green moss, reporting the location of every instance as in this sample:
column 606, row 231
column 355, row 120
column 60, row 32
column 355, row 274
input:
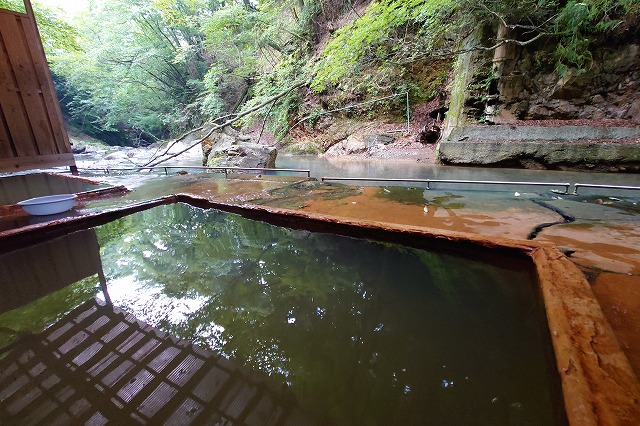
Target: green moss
column 298, row 195
column 458, row 85
column 429, row 78
column 304, row 148
column 446, row 202
column 410, row 196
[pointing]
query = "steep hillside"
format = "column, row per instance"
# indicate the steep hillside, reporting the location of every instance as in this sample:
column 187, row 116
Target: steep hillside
column 510, row 70
column 340, row 77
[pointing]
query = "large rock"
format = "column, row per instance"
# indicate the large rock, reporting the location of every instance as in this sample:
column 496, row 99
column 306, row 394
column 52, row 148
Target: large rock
column 230, row 148
column 542, row 133
column 244, row 155
column 220, row 141
column 78, row 148
column 351, row 145
column 563, row 148
column 378, row 139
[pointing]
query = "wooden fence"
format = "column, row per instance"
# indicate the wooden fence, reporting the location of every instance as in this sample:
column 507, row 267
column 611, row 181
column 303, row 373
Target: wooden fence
column 32, row 133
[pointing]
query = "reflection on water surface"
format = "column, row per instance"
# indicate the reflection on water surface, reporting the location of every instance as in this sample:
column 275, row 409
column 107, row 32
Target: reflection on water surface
column 361, row 332
column 19, row 187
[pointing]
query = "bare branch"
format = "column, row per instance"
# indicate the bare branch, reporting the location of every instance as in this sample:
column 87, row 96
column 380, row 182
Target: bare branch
column 447, row 53
column 532, row 27
column 155, row 161
column 264, row 122
column 500, row 18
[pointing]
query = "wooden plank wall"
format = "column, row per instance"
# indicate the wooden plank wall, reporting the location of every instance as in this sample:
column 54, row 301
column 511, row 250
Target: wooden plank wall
column 32, row 133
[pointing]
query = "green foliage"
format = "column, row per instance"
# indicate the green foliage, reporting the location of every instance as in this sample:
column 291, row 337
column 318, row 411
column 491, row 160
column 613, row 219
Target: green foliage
column 572, row 26
column 57, row 35
column 210, row 102
column 146, row 69
column 13, row 5
column 271, row 44
column 150, row 68
column 286, row 73
column 577, row 25
column 229, row 35
column 380, row 35
column 135, row 73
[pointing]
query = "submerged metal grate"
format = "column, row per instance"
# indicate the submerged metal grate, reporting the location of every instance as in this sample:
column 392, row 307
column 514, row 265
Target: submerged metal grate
column 100, row 365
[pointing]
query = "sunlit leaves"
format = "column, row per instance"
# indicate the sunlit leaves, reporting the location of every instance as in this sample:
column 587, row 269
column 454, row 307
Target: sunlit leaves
column 57, row 35
column 377, row 35
column 13, row 5
column 137, row 71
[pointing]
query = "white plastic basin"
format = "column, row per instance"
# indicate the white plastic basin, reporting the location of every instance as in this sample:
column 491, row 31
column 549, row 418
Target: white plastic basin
column 51, row 204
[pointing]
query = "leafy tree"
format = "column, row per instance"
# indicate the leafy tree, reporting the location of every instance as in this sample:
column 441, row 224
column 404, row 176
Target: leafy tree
column 140, row 70
column 380, row 36
column 57, row 35
column 146, row 69
column 230, row 39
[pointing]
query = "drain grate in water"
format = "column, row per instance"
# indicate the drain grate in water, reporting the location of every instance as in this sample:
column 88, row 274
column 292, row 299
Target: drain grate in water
column 100, row 365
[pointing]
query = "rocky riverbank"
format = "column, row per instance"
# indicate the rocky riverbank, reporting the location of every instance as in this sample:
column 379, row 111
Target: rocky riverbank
column 602, row 145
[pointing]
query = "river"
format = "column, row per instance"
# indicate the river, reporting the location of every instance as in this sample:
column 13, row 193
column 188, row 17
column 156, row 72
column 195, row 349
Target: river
column 403, row 169
column 390, row 169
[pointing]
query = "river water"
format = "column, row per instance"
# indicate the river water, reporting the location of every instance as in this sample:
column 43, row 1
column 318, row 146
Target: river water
column 326, row 167
column 389, row 169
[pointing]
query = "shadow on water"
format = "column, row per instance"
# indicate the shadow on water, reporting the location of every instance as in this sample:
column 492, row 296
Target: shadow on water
column 361, row 332
column 30, row 185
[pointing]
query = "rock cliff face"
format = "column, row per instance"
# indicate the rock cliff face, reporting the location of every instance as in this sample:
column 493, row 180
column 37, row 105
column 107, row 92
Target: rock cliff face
column 515, row 85
column 610, row 89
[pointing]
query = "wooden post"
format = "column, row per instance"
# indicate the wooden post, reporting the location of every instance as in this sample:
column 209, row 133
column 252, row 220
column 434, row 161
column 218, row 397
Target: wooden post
column 56, row 104
column 32, row 133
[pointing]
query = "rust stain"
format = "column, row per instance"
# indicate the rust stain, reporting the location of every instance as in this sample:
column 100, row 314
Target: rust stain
column 509, row 223
column 604, row 388
column 619, row 297
column 604, row 246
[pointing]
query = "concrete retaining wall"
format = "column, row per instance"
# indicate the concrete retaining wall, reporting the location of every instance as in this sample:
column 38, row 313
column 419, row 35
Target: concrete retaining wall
column 566, row 147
